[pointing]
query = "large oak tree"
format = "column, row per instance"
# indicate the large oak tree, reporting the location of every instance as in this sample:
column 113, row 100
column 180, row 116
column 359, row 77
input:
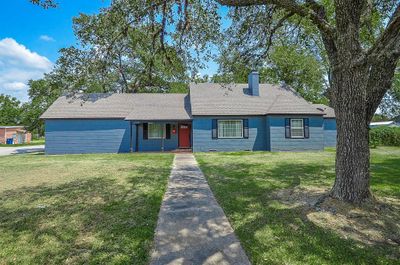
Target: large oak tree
column 361, row 70
column 360, row 78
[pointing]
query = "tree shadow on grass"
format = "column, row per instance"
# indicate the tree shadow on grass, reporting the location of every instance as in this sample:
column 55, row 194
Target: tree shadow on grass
column 274, row 233
column 98, row 220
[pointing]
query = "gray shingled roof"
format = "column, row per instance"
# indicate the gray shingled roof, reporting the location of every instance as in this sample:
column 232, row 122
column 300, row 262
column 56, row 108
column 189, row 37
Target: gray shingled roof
column 120, row 106
column 204, row 99
column 330, row 112
column 234, row 99
column 160, row 107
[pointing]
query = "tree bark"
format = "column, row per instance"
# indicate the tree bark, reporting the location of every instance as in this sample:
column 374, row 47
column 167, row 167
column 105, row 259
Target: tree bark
column 352, row 153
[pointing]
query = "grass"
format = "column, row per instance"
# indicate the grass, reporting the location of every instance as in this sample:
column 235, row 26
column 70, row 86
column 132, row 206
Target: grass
column 254, row 189
column 80, row 209
column 33, row 142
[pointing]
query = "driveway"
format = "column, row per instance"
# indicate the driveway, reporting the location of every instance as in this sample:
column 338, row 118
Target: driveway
column 21, row 150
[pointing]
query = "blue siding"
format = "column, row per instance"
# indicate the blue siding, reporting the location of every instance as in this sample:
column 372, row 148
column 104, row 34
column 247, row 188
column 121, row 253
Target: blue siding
column 86, row 136
column 203, row 142
column 278, row 142
column 99, row 136
column 330, row 132
column 155, row 144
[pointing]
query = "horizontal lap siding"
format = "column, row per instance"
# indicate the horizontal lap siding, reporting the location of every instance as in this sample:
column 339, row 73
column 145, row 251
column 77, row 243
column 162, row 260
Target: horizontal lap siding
column 155, row 144
column 278, row 142
column 330, row 132
column 203, row 142
column 87, row 136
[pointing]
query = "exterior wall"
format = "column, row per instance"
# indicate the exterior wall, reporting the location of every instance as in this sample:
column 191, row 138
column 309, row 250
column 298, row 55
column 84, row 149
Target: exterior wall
column 2, row 136
column 155, row 144
column 87, row 136
column 19, row 135
column 28, row 137
column 330, row 132
column 278, row 142
column 203, row 142
column 100, row 136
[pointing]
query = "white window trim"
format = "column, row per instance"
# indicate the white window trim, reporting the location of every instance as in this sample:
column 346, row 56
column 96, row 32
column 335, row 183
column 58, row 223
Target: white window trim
column 222, row 137
column 158, row 137
column 302, row 128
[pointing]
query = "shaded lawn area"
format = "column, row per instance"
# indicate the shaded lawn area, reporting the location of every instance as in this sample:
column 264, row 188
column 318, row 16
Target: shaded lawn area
column 256, row 191
column 80, row 209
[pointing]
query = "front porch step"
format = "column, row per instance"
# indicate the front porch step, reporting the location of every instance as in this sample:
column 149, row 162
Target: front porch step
column 183, row 150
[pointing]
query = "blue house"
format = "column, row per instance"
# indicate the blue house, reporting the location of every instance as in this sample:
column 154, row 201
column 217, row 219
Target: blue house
column 211, row 117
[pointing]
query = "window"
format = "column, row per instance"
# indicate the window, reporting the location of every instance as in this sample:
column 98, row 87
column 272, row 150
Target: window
column 296, row 128
column 230, row 128
column 156, row 130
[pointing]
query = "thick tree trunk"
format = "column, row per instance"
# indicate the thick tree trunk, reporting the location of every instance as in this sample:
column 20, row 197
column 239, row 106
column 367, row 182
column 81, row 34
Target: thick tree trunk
column 352, row 154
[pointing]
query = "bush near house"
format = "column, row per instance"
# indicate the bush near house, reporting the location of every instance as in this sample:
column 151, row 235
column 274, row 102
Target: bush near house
column 388, row 136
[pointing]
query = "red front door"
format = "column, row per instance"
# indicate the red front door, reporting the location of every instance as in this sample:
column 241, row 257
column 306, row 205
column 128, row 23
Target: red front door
column 184, row 136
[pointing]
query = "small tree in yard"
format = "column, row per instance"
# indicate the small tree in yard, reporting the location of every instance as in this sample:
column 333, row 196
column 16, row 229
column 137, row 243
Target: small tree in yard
column 360, row 77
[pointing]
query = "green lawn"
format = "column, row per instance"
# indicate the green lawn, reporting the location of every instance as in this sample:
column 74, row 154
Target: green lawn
column 33, row 142
column 80, row 209
column 266, row 195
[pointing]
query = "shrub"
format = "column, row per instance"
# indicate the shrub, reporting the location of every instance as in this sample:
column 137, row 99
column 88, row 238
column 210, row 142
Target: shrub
column 389, row 136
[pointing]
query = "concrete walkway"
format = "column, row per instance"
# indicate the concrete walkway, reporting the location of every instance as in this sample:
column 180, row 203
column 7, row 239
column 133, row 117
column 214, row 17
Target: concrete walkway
column 192, row 228
column 21, row 150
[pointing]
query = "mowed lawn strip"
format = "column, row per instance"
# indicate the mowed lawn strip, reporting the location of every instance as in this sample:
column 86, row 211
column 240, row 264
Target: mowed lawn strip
column 80, row 209
column 249, row 185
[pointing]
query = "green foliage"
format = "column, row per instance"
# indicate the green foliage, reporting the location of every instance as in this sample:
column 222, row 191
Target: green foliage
column 10, row 110
column 42, row 93
column 388, row 136
column 380, row 117
column 289, row 64
column 299, row 69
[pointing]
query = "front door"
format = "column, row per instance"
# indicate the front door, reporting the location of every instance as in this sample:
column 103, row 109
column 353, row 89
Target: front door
column 184, row 136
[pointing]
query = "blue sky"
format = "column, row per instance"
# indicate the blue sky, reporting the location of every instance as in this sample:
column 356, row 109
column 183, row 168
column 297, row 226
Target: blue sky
column 31, row 36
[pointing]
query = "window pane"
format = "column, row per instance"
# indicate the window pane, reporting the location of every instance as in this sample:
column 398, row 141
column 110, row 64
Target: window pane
column 155, row 130
column 296, row 127
column 297, row 123
column 230, row 129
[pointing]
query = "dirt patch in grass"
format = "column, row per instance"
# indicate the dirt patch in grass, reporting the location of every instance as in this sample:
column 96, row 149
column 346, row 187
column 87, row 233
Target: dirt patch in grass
column 373, row 223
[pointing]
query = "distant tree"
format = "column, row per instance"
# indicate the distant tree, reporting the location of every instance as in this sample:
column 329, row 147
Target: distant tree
column 289, row 64
column 42, row 93
column 10, row 110
column 380, row 117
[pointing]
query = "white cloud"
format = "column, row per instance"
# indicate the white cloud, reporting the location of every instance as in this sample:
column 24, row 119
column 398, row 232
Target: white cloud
column 46, row 38
column 16, row 86
column 17, row 66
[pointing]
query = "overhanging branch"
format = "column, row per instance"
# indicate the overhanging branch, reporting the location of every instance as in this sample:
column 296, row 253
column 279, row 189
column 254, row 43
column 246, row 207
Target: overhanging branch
column 310, row 9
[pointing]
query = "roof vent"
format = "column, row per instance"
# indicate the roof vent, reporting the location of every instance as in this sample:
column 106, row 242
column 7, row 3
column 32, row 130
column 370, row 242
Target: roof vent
column 254, row 83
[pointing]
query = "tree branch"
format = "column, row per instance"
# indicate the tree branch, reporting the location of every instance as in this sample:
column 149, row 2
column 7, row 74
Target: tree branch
column 389, row 41
column 304, row 10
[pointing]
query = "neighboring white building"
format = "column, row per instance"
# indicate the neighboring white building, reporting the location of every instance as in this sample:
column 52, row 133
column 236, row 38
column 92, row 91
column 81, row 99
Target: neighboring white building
column 384, row 124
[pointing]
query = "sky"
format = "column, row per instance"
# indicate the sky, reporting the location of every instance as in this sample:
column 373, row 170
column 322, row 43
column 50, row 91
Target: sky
column 30, row 38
